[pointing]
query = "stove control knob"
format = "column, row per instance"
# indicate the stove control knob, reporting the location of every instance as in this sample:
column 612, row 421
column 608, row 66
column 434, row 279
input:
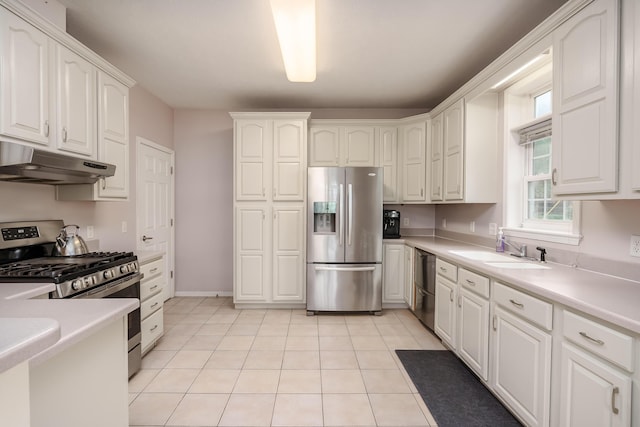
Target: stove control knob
column 108, row 274
column 124, row 269
column 133, row 266
column 76, row 285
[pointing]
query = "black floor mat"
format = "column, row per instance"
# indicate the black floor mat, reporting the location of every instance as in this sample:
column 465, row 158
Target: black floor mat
column 453, row 394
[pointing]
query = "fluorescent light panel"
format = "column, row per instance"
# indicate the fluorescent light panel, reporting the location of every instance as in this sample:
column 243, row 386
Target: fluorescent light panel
column 295, row 22
column 518, row 71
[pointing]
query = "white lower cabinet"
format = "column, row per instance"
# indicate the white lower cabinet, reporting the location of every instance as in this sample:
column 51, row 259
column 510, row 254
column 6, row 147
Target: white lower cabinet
column 473, row 331
column 393, row 270
column 152, row 301
column 445, row 312
column 288, row 253
column 521, row 364
column 409, row 292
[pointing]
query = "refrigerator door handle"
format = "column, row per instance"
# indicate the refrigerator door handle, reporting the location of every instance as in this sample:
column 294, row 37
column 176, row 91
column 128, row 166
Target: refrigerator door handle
column 323, row 268
column 341, row 219
column 350, row 212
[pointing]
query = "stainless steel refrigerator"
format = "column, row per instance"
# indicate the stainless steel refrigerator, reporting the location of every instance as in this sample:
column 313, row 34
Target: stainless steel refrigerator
column 344, row 239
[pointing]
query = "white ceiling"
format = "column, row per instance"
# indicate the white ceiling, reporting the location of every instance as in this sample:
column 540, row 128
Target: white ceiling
column 224, row 54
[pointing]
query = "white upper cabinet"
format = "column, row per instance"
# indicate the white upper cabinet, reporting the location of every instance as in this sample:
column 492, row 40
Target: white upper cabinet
column 289, row 166
column 343, row 145
column 389, row 160
column 585, row 101
column 252, row 146
column 414, row 145
column 436, row 160
column 76, row 98
column 24, row 80
column 453, row 143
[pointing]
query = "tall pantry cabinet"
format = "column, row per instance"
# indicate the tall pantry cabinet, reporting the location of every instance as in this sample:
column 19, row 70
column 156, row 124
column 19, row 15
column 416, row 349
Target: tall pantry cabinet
column 270, row 181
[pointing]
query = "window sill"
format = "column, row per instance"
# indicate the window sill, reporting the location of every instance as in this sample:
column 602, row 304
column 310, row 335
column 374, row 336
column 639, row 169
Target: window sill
column 543, row 235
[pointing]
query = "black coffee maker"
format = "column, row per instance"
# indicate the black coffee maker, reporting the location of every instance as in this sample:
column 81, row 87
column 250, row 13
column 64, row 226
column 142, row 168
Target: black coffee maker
column 391, row 224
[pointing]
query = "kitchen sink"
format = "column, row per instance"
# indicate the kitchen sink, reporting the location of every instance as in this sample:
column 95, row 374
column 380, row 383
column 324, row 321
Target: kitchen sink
column 518, row 265
column 483, row 256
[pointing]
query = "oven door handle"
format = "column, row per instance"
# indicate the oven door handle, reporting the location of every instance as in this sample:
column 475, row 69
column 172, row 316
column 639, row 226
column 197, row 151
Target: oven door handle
column 108, row 289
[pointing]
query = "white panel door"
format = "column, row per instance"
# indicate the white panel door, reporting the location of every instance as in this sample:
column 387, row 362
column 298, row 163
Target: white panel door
column 436, row 158
column 445, row 312
column 155, row 205
column 473, row 331
column 393, row 274
column 76, row 95
column 252, row 159
column 592, row 393
column 25, row 80
column 389, row 159
column 358, row 146
column 522, row 367
column 413, row 163
column 408, row 276
column 585, row 101
column 324, row 146
column 453, row 142
column 251, row 242
column 288, row 253
column 289, row 155
column 113, row 130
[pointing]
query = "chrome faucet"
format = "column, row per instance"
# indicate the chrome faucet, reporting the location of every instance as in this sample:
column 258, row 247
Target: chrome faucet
column 521, row 252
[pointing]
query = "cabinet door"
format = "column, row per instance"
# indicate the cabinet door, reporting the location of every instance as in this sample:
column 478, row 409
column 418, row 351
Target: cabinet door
column 393, row 273
column 113, row 135
column 358, row 145
column 288, row 253
column 76, row 94
column 408, row 276
column 413, row 162
column 473, row 331
column 324, row 146
column 453, row 134
column 592, row 393
column 445, row 312
column 25, row 80
column 252, row 145
column 289, row 165
column 251, row 243
column 389, row 157
column 585, row 101
column 522, row 367
column 436, row 158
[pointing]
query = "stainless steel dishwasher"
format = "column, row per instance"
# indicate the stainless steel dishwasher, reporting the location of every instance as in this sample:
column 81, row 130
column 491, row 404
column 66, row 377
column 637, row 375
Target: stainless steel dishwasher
column 425, row 282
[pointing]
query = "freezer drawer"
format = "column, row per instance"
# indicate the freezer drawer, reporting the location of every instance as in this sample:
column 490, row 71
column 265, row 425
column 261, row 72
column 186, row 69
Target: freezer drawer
column 344, row 287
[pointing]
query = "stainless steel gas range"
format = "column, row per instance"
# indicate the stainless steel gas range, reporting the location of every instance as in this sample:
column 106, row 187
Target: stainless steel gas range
column 26, row 249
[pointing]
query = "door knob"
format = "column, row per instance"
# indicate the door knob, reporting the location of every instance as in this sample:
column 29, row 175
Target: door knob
column 145, row 238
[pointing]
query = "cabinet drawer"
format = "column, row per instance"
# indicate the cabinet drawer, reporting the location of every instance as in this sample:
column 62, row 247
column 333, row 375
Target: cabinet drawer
column 474, row 282
column 150, row 287
column 151, row 269
column 607, row 343
column 151, row 305
column 152, row 329
column 447, row 270
column 531, row 308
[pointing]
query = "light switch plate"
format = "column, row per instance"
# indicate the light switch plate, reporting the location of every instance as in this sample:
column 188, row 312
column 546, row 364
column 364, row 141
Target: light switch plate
column 90, row 234
column 634, row 247
column 493, row 228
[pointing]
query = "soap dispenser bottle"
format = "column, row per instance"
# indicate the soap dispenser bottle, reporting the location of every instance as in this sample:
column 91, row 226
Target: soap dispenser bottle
column 500, row 241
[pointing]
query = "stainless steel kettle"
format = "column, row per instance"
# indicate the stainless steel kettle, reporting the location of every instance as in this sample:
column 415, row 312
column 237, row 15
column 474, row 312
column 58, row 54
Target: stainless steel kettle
column 68, row 244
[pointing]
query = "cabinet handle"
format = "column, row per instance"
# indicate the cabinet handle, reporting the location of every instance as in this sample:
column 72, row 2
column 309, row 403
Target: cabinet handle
column 451, row 295
column 154, row 328
column 64, row 134
column 264, row 191
column 615, row 391
column 593, row 340
column 153, row 270
column 104, row 183
column 443, row 269
column 421, row 192
column 155, row 304
column 553, row 176
column 460, row 301
column 470, row 282
column 494, row 322
column 516, row 303
column 145, row 238
column 46, row 128
column 153, row 287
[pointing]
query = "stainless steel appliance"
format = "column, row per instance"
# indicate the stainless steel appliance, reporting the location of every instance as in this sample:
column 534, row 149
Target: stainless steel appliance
column 344, row 239
column 26, row 257
column 425, row 287
column 391, row 224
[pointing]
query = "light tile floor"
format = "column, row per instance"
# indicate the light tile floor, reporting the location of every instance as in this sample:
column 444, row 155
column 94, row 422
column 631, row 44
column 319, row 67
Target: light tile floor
column 218, row 366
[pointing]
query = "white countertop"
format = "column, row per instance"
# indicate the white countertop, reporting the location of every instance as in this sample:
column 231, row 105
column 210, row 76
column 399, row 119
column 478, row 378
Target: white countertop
column 609, row 298
column 32, row 337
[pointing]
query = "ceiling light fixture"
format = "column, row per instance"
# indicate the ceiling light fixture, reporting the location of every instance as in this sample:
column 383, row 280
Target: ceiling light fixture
column 296, row 27
column 520, row 70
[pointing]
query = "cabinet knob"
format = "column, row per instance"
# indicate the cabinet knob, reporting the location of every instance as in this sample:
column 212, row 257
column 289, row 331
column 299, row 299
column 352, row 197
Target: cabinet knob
column 46, row 128
column 554, row 181
column 64, row 134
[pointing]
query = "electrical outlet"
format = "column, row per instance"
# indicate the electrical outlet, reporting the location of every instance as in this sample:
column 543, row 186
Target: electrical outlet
column 405, row 222
column 90, row 234
column 493, row 228
column 124, row 226
column 634, row 247
column 444, row 222
column 472, row 226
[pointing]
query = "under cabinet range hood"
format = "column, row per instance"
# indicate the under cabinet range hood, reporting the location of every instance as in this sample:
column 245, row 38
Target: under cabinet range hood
column 20, row 163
